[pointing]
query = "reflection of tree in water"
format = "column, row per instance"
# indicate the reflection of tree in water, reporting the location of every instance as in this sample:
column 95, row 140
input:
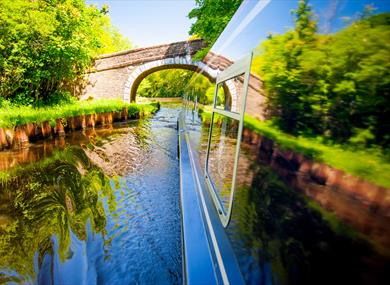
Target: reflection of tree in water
column 274, row 226
column 48, row 198
column 142, row 133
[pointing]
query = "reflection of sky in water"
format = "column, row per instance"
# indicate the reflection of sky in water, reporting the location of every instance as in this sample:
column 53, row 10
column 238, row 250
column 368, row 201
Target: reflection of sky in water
column 274, row 16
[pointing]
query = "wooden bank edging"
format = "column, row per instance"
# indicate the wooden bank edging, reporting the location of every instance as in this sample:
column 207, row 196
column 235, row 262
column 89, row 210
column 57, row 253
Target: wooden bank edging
column 20, row 135
column 309, row 176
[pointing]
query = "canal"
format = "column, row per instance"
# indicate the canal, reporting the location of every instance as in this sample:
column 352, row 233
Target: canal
column 103, row 207
column 99, row 207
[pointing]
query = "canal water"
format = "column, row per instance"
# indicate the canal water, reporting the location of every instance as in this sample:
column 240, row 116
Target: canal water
column 281, row 235
column 103, row 207
column 100, row 207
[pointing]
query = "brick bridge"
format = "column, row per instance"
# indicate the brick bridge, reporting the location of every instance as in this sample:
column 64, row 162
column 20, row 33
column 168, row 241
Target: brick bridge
column 118, row 75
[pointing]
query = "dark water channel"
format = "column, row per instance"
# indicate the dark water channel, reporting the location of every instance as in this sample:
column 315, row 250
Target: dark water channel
column 281, row 235
column 100, row 207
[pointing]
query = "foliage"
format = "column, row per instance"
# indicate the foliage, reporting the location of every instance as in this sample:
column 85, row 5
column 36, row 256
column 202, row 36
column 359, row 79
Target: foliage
column 279, row 66
column 11, row 116
column 209, row 96
column 49, row 198
column 46, row 46
column 211, row 16
column 174, row 83
column 165, row 83
column 369, row 164
column 330, row 85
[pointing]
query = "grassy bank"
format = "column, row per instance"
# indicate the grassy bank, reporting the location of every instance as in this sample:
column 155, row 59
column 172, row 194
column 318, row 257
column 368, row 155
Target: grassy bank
column 369, row 164
column 12, row 116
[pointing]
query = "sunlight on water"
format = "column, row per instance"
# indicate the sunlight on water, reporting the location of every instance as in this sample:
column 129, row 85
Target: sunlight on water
column 100, row 207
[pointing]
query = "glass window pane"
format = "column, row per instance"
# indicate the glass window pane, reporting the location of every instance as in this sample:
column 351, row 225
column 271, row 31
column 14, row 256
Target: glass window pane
column 221, row 156
column 230, row 94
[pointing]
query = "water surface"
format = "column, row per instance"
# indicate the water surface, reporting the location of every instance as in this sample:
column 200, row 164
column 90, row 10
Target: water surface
column 99, row 207
column 282, row 235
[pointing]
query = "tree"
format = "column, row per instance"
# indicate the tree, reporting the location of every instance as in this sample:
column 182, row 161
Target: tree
column 279, row 66
column 334, row 85
column 174, row 83
column 305, row 26
column 353, row 67
column 46, row 46
column 211, row 16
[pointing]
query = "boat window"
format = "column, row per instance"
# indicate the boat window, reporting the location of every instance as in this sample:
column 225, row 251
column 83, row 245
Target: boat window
column 227, row 119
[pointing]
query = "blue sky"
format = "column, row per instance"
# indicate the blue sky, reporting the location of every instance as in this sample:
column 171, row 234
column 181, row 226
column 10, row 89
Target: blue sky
column 150, row 22
column 275, row 17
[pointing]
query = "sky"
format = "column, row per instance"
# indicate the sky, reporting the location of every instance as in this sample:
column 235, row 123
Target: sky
column 150, row 22
column 255, row 20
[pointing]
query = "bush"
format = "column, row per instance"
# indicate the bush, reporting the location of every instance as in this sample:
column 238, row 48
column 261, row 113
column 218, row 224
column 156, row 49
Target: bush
column 362, row 137
column 335, row 85
column 57, row 98
column 46, row 47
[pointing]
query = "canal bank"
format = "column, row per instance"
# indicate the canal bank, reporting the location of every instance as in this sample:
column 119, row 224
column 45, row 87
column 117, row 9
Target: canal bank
column 19, row 126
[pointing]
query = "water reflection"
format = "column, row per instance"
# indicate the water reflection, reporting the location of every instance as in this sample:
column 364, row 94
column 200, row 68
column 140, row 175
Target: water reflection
column 55, row 196
column 100, row 208
column 285, row 236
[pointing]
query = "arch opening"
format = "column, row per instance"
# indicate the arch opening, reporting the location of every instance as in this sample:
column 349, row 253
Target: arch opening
column 144, row 75
column 183, row 63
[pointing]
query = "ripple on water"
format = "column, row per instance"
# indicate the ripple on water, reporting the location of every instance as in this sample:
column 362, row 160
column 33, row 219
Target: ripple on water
column 145, row 236
column 66, row 224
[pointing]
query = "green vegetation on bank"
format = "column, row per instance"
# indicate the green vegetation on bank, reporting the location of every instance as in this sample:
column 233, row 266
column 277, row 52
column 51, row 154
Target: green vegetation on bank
column 46, row 47
column 331, row 85
column 368, row 164
column 11, row 116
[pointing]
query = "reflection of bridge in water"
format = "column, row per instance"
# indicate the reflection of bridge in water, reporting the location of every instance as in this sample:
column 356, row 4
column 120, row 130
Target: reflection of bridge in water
column 118, row 75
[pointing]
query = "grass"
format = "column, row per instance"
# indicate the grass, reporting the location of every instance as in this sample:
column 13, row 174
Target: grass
column 368, row 164
column 12, row 116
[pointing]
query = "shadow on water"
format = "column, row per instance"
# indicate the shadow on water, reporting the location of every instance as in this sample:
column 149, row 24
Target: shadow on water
column 99, row 207
column 284, row 238
column 281, row 235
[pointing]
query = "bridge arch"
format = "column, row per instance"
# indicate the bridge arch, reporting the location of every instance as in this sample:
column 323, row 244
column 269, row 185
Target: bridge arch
column 118, row 75
column 179, row 62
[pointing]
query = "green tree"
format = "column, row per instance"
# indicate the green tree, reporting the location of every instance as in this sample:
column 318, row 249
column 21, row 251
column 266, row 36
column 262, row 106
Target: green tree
column 174, row 83
column 46, row 46
column 280, row 67
column 349, row 73
column 211, row 16
column 334, row 85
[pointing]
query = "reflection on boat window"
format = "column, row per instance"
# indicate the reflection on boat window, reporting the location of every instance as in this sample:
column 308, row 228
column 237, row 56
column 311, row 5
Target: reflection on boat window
column 318, row 80
column 224, row 133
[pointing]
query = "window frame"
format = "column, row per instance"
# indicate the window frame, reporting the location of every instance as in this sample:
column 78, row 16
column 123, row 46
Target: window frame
column 240, row 67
